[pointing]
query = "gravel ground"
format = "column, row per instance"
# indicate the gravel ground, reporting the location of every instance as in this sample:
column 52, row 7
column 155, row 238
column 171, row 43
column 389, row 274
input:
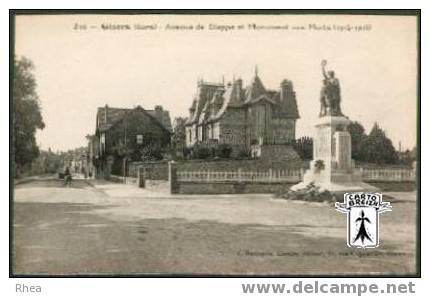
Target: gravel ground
column 103, row 228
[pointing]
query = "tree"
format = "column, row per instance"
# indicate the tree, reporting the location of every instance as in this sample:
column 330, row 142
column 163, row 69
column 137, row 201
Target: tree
column 413, row 153
column 378, row 148
column 47, row 162
column 358, row 136
column 304, row 147
column 178, row 138
column 26, row 115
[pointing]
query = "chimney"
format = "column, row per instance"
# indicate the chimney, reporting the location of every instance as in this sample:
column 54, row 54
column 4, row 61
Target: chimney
column 106, row 113
column 159, row 113
column 239, row 85
column 286, row 89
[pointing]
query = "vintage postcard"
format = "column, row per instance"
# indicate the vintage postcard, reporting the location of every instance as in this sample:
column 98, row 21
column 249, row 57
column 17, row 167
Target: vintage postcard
column 248, row 143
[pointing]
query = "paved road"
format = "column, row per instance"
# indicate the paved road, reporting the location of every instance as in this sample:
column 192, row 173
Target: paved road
column 119, row 229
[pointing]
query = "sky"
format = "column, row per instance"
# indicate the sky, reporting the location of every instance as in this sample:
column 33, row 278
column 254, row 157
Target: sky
column 78, row 70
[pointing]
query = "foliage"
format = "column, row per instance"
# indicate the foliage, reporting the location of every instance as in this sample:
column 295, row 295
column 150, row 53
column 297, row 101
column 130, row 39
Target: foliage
column 223, row 150
column 178, row 137
column 407, row 157
column 244, row 153
column 413, row 154
column 151, row 153
column 186, row 152
column 319, row 165
column 358, row 136
column 378, row 148
column 201, row 152
column 304, row 147
column 309, row 193
column 47, row 162
column 374, row 148
column 26, row 115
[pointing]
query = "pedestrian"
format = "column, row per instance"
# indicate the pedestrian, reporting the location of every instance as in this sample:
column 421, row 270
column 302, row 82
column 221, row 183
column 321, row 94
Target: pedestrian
column 67, row 176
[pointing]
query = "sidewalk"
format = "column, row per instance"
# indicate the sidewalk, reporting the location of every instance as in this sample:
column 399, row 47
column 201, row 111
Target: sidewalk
column 155, row 189
column 27, row 179
column 113, row 189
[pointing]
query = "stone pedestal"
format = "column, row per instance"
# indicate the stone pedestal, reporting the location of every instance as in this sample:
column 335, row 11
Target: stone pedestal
column 332, row 168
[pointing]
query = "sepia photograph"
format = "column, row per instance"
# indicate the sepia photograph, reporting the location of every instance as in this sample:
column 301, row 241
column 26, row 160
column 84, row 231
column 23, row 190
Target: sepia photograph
column 215, row 143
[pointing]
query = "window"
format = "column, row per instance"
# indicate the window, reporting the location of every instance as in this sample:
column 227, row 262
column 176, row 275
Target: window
column 139, row 139
column 102, row 142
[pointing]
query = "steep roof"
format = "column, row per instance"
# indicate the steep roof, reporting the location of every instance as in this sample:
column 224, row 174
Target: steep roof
column 255, row 89
column 204, row 115
column 235, row 96
column 261, row 98
column 108, row 116
column 205, row 92
column 165, row 120
column 292, row 110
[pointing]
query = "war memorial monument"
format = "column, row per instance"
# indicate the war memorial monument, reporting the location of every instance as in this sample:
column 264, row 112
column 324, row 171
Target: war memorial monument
column 332, row 168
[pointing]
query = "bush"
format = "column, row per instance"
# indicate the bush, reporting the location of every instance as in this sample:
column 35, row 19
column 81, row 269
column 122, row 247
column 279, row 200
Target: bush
column 223, row 151
column 319, row 165
column 151, row 153
column 309, row 193
column 202, row 152
column 186, row 152
column 304, row 147
column 244, row 154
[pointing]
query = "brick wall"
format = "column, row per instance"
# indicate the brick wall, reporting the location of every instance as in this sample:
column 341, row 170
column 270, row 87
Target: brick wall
column 154, row 170
column 230, row 188
column 232, row 129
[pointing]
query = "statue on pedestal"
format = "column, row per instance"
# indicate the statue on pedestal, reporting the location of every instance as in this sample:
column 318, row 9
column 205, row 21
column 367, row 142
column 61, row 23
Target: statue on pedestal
column 330, row 93
column 332, row 170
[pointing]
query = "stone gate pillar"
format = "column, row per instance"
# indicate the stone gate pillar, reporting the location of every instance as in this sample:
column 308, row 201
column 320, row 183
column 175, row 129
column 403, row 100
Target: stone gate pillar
column 141, row 178
column 173, row 178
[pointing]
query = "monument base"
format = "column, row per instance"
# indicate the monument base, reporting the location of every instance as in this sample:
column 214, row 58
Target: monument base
column 337, row 188
column 332, row 168
column 335, row 180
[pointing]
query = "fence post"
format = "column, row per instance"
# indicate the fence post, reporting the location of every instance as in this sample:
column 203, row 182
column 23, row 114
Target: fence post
column 141, row 177
column 173, row 178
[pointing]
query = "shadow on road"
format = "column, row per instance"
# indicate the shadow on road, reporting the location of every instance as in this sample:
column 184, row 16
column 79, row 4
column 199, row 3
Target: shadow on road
column 54, row 183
